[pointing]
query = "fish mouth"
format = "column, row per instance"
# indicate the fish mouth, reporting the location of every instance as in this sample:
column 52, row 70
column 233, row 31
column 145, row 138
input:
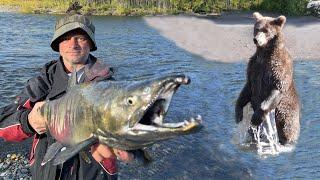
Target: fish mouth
column 154, row 116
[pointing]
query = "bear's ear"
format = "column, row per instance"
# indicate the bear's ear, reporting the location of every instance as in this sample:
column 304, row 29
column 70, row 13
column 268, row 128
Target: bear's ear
column 279, row 21
column 257, row 16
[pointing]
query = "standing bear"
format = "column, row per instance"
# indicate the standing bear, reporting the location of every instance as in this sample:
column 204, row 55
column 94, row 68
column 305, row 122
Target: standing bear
column 270, row 82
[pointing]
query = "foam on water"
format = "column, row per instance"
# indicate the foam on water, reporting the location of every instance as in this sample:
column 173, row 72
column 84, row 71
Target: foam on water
column 262, row 139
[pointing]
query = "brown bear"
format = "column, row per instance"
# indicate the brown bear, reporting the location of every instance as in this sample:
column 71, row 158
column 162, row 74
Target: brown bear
column 270, row 83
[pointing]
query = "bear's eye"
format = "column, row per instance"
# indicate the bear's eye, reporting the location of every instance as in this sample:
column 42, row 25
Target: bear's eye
column 264, row 30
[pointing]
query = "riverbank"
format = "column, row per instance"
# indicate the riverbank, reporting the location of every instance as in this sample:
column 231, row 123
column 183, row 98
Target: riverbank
column 4, row 8
column 14, row 163
column 51, row 7
column 154, row 7
column 228, row 38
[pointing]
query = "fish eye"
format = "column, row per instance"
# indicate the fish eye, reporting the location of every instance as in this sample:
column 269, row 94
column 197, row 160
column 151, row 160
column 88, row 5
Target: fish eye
column 130, row 101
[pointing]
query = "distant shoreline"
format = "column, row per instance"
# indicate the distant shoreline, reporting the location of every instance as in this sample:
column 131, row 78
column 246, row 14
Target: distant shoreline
column 16, row 9
column 8, row 9
column 228, row 38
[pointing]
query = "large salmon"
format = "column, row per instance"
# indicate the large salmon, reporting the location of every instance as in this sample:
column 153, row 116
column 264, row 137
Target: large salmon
column 124, row 115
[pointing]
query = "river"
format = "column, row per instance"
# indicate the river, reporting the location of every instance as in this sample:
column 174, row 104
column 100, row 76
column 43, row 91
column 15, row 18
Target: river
column 137, row 51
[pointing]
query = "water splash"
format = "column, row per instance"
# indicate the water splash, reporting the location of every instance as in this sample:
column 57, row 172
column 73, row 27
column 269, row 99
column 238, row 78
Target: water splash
column 262, row 139
column 266, row 136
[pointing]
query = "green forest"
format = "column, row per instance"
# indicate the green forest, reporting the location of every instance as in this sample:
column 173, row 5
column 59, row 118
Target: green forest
column 154, row 7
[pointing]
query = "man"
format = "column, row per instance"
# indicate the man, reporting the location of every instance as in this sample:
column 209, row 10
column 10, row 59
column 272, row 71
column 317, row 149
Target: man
column 74, row 40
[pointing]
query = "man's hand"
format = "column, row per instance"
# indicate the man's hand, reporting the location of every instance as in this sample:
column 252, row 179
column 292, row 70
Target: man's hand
column 123, row 155
column 36, row 121
column 100, row 152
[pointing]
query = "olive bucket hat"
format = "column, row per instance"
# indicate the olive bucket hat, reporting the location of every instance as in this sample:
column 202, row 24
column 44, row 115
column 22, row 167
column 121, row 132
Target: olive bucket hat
column 70, row 23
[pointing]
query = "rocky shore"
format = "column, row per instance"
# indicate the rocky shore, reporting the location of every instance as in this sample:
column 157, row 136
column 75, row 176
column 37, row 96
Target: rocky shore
column 14, row 166
column 14, row 163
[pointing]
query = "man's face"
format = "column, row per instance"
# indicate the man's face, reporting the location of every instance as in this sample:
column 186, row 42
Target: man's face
column 74, row 48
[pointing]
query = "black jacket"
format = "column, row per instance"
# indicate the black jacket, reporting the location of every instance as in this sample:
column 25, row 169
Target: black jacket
column 52, row 84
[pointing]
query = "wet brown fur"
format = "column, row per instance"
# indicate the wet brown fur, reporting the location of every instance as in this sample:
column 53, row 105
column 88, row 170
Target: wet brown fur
column 271, row 68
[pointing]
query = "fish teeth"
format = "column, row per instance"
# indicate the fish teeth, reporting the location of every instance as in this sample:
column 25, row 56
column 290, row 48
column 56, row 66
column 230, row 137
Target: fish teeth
column 199, row 118
column 179, row 80
column 186, row 123
column 183, row 80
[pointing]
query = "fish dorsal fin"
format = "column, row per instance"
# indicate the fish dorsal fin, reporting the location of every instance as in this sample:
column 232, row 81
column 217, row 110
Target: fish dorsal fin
column 73, row 79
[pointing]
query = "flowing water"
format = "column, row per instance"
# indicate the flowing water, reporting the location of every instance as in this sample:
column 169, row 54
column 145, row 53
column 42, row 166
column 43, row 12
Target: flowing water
column 262, row 139
column 139, row 52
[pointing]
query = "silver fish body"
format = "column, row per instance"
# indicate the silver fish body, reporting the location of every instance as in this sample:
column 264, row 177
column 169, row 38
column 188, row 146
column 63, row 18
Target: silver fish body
column 125, row 115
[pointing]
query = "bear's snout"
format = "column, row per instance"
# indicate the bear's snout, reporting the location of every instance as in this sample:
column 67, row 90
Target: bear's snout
column 260, row 39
